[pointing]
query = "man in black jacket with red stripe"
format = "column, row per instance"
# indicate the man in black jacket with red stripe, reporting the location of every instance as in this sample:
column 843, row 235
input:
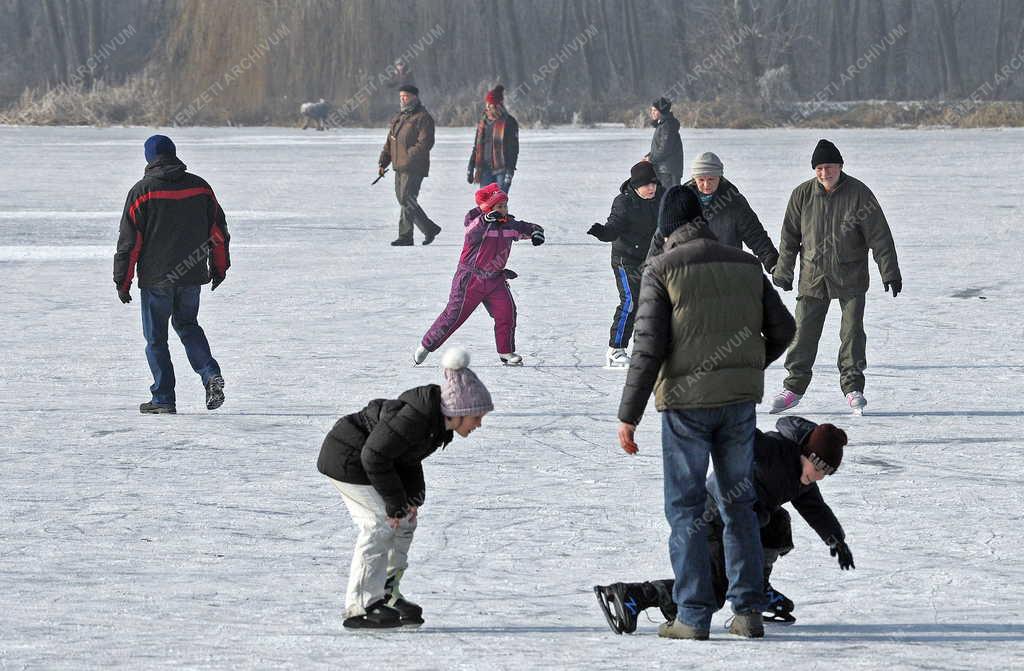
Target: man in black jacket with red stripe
column 173, row 229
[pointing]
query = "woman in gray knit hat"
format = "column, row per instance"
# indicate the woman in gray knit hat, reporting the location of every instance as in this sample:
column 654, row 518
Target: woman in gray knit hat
column 373, row 457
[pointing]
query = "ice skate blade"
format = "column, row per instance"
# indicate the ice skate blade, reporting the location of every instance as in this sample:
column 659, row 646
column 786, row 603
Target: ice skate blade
column 857, row 412
column 614, row 367
column 784, row 619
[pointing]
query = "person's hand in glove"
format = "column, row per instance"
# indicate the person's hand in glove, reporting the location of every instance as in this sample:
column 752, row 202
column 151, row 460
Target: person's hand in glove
column 469, row 176
column 785, row 285
column 896, row 286
column 841, row 550
column 216, row 282
column 537, row 238
column 510, row 274
column 597, row 230
column 394, row 517
column 124, row 296
column 380, row 171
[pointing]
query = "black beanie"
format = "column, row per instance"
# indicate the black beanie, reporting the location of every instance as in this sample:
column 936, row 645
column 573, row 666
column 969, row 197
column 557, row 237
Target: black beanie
column 824, row 447
column 825, row 152
column 662, row 104
column 642, row 173
column 409, row 88
column 679, row 206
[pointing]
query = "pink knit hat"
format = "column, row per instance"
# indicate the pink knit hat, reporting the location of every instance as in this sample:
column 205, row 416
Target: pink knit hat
column 462, row 392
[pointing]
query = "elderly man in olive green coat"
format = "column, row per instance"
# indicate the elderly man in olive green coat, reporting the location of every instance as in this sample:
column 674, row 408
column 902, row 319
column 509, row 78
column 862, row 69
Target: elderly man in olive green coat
column 832, row 221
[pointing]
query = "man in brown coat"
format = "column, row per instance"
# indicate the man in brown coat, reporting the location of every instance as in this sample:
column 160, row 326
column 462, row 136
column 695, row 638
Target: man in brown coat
column 407, row 151
column 831, row 222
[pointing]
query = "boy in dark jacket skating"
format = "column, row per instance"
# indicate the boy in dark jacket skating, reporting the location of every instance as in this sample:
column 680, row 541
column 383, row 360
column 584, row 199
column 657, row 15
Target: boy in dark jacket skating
column 630, row 227
column 173, row 229
column 374, row 458
column 788, row 463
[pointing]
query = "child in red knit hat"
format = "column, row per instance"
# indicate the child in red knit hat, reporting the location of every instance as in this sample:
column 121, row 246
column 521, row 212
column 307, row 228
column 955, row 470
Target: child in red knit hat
column 481, row 276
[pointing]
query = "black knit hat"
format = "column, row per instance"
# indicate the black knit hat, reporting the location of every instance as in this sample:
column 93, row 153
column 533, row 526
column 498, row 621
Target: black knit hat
column 679, row 206
column 409, row 88
column 824, row 447
column 662, row 104
column 642, row 173
column 825, row 152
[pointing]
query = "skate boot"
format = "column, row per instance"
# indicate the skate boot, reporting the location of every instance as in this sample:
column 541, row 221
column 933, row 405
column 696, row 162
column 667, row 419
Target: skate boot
column 151, row 408
column 747, row 625
column 621, row 603
column 617, row 358
column 511, row 359
column 857, row 402
column 785, row 400
column 676, row 629
column 779, row 608
column 410, row 614
column 214, row 392
column 420, row 355
column 377, row 616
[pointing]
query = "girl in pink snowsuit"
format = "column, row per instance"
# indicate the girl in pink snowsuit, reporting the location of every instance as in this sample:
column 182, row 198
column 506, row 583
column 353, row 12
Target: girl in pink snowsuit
column 481, row 276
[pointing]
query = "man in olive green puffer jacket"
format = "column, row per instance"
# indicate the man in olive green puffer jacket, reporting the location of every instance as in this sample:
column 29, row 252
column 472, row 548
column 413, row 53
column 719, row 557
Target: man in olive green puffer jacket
column 832, row 221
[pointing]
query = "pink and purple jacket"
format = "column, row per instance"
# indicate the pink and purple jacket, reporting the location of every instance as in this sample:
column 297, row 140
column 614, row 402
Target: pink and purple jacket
column 488, row 243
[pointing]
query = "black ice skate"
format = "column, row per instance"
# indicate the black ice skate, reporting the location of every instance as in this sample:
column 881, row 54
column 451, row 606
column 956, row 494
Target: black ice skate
column 620, row 603
column 780, row 607
column 214, row 392
column 378, row 616
column 410, row 614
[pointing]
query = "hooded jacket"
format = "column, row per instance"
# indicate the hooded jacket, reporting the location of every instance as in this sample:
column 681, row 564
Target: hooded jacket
column 708, row 325
column 631, row 224
column 385, row 444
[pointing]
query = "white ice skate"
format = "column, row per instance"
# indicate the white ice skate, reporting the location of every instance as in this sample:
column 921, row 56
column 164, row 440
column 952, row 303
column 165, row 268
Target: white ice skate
column 785, row 400
column 857, row 402
column 617, row 358
column 420, row 355
column 511, row 359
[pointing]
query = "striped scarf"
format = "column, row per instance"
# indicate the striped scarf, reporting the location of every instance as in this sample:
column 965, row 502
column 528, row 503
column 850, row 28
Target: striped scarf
column 497, row 146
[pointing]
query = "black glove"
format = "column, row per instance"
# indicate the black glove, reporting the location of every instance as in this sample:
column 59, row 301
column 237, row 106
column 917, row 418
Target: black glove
column 785, row 285
column 216, row 283
column 124, row 296
column 537, row 238
column 896, row 286
column 597, row 230
column 469, row 176
column 495, row 216
column 510, row 274
column 396, row 513
column 841, row 549
column 416, row 500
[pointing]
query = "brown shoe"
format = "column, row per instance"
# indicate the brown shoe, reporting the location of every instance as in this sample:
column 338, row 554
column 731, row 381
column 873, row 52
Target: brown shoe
column 747, row 625
column 676, row 629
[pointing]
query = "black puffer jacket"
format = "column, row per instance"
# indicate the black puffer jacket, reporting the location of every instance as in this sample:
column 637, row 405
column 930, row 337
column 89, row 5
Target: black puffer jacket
column 385, row 443
column 631, row 225
column 667, row 146
column 777, row 471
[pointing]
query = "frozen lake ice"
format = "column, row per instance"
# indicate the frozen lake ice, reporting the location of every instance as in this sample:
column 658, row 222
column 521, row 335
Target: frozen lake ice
column 209, row 540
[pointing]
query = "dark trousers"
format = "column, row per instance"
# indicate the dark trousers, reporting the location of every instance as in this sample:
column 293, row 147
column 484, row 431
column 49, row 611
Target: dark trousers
column 810, row 320
column 627, row 280
column 407, row 191
column 180, row 305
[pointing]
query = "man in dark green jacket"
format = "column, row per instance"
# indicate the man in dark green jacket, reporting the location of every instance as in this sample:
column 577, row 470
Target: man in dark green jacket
column 709, row 323
column 831, row 222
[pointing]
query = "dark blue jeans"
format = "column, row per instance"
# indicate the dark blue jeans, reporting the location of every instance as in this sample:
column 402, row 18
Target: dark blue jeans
column 726, row 436
column 502, row 178
column 180, row 305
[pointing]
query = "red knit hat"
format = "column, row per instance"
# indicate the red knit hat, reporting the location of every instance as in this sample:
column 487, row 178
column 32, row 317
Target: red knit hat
column 495, row 96
column 824, row 447
column 489, row 196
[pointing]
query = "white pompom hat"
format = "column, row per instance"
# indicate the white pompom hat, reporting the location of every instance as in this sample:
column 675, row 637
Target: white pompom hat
column 462, row 392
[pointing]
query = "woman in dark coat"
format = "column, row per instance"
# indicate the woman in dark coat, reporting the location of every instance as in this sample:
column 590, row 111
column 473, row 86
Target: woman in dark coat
column 374, row 458
column 496, row 145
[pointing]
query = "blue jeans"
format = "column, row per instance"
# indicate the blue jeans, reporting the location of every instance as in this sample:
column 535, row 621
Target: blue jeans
column 502, row 178
column 181, row 306
column 689, row 438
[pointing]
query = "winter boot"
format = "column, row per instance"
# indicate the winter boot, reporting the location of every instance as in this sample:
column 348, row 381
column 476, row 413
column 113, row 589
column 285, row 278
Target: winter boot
column 622, row 602
column 151, row 408
column 378, row 616
column 402, row 242
column 857, row 402
column 410, row 614
column 420, row 355
column 511, row 359
column 429, row 237
column 779, row 607
column 617, row 358
column 785, row 400
column 214, row 392
column 676, row 629
column 747, row 625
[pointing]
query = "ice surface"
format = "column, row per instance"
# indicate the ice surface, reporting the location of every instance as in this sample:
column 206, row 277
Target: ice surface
column 209, row 540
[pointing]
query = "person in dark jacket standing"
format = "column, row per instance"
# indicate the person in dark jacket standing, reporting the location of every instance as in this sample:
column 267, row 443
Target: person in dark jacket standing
column 708, row 325
column 496, row 145
column 666, row 146
column 407, row 151
column 831, row 222
column 726, row 211
column 630, row 226
column 374, row 458
column 788, row 463
column 174, row 230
